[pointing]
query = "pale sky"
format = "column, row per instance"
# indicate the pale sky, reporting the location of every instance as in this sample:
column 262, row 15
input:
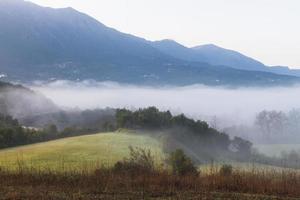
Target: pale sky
column 267, row 30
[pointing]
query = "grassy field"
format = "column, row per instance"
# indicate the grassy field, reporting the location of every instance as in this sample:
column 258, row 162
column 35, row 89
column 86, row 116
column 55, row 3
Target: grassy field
column 77, row 155
column 83, row 152
column 103, row 150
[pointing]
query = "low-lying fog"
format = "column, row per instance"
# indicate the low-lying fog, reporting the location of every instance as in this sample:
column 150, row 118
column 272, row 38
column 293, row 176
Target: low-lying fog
column 233, row 106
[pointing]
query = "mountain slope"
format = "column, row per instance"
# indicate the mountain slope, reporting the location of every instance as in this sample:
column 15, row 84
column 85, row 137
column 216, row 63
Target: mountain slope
column 19, row 102
column 219, row 56
column 39, row 43
column 215, row 55
column 284, row 70
column 41, row 37
column 211, row 54
column 177, row 50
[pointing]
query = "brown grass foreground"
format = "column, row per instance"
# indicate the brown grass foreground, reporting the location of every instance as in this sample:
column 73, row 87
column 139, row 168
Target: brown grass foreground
column 107, row 184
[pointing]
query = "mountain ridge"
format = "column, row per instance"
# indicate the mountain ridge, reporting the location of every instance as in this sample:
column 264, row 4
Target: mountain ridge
column 216, row 55
column 41, row 43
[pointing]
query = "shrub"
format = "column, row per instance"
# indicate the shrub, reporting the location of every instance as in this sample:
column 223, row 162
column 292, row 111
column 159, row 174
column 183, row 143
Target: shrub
column 139, row 161
column 181, row 164
column 226, row 170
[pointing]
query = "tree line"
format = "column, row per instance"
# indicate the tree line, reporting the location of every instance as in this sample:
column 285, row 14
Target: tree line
column 12, row 133
column 195, row 136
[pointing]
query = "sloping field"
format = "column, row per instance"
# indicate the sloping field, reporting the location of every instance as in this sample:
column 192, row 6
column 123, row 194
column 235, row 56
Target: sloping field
column 83, row 152
column 93, row 151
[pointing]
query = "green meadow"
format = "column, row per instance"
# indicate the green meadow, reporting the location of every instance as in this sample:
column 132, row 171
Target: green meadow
column 88, row 152
column 77, row 153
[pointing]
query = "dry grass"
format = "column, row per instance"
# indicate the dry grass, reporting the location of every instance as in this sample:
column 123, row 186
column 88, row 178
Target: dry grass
column 107, row 184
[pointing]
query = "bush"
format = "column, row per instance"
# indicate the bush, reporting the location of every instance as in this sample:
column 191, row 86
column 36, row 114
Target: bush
column 226, row 170
column 181, row 164
column 139, row 161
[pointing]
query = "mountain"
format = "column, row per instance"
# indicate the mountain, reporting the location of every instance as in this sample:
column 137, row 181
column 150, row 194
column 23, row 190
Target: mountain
column 47, row 40
column 219, row 56
column 19, row 101
column 210, row 53
column 177, row 50
column 284, row 70
column 40, row 43
column 215, row 55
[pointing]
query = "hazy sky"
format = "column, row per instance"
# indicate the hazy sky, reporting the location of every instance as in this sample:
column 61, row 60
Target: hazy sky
column 267, row 30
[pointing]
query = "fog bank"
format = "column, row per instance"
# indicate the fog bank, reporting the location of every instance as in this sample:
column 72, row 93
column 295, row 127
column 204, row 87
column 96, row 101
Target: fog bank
column 233, row 106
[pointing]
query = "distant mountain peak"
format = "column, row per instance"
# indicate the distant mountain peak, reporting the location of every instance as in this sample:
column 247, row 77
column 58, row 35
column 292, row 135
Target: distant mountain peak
column 210, row 46
column 166, row 40
column 169, row 42
column 217, row 55
column 213, row 47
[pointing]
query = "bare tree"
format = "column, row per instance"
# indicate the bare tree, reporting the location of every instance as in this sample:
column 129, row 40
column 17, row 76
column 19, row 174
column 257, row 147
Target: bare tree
column 271, row 122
